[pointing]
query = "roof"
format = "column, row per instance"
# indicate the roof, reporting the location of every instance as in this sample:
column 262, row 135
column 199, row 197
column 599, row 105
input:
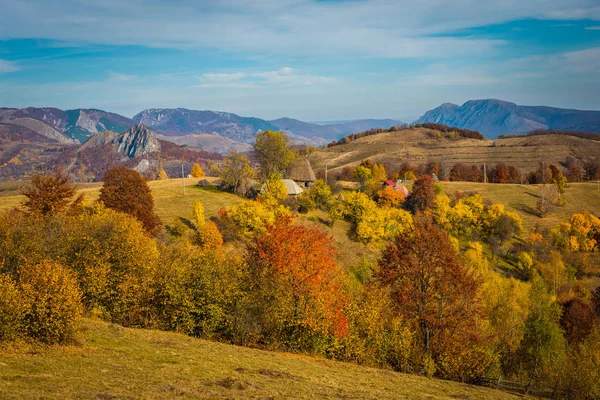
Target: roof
column 434, row 177
column 390, row 182
column 300, row 170
column 292, row 187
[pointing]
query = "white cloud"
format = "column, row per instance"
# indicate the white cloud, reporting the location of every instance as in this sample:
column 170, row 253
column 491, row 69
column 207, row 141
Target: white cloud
column 117, row 77
column 284, row 77
column 8, row 66
column 369, row 28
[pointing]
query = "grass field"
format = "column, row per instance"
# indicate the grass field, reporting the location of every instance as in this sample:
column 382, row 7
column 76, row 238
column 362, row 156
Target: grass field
column 112, row 362
column 168, row 197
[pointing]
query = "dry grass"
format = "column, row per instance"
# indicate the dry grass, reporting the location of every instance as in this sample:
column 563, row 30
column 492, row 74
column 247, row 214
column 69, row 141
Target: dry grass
column 417, row 147
column 169, row 200
column 118, row 363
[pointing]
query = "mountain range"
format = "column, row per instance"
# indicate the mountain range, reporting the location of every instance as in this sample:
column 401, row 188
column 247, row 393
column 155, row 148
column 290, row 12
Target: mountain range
column 494, row 117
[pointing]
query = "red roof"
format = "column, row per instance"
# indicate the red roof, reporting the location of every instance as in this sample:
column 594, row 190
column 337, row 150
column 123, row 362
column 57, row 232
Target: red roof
column 390, row 182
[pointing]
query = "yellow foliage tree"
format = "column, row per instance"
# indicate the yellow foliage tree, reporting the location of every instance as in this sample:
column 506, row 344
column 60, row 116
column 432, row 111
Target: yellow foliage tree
column 390, row 197
column 197, row 171
column 199, row 218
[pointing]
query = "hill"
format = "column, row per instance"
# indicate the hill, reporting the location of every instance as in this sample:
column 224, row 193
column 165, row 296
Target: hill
column 113, row 362
column 495, row 117
column 421, row 145
column 24, row 152
column 323, row 133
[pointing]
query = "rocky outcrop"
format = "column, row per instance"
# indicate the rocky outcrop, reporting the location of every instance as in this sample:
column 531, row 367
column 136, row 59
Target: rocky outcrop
column 136, row 141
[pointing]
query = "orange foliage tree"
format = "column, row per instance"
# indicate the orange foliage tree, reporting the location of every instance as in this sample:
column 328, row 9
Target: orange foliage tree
column 49, row 194
column 294, row 294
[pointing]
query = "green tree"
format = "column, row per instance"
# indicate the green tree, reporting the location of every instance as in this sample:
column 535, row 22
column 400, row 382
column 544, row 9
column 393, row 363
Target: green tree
column 560, row 181
column 542, row 350
column 273, row 153
column 49, row 194
column 125, row 190
column 236, row 173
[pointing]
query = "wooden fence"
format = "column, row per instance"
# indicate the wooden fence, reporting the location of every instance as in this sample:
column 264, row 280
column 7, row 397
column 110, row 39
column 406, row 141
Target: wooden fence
column 524, row 388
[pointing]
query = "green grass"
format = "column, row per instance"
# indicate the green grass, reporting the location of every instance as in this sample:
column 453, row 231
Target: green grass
column 112, row 362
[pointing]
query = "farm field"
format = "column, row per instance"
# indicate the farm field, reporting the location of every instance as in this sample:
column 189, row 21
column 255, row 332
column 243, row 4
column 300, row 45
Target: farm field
column 112, row 362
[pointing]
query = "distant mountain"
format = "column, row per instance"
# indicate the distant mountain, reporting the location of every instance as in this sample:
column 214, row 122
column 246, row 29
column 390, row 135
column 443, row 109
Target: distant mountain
column 495, row 117
column 68, row 126
column 181, row 121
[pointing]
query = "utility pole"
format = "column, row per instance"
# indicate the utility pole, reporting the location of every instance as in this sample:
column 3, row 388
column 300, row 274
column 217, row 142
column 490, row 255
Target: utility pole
column 484, row 173
column 182, row 179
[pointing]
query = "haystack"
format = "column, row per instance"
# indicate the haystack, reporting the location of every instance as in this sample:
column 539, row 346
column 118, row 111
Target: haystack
column 301, row 172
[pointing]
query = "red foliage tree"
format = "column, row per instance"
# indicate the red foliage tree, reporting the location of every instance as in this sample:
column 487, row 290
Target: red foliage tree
column 293, row 270
column 577, row 319
column 422, row 195
column 432, row 289
column 124, row 190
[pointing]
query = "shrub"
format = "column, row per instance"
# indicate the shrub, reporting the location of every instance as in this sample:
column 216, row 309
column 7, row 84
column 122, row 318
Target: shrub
column 11, row 308
column 390, row 197
column 162, row 175
column 53, row 302
column 209, row 236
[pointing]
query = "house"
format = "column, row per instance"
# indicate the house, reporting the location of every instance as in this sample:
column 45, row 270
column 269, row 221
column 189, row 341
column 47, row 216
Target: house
column 301, row 172
column 434, row 177
column 389, row 182
column 401, row 188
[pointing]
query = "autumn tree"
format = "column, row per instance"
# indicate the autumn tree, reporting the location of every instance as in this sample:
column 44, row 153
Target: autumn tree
column 362, row 175
column 198, row 212
column 197, row 171
column 273, row 153
column 432, row 289
column 292, row 287
column 49, row 194
column 577, row 319
column 390, row 197
column 235, row 173
column 124, row 190
column 423, row 194
column 560, row 181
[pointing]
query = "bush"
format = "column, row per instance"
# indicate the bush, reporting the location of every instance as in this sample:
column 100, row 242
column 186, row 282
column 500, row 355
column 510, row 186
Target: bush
column 209, row 236
column 53, row 302
column 11, row 308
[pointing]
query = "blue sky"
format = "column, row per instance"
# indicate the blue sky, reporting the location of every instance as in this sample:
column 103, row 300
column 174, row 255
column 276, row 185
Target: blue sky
column 306, row 59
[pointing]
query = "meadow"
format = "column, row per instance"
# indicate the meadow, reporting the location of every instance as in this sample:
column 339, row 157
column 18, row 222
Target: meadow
column 112, row 362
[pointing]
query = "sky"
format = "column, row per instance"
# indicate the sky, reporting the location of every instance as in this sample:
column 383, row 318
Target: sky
column 306, row 59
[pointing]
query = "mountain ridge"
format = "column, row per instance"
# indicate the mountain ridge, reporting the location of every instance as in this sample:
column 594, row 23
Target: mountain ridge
column 494, row 117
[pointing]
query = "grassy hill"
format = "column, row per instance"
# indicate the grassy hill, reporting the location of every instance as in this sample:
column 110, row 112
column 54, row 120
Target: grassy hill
column 416, row 146
column 112, row 362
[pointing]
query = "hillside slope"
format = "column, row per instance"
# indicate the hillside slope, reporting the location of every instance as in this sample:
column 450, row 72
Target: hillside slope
column 417, row 146
column 113, row 362
column 495, row 117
